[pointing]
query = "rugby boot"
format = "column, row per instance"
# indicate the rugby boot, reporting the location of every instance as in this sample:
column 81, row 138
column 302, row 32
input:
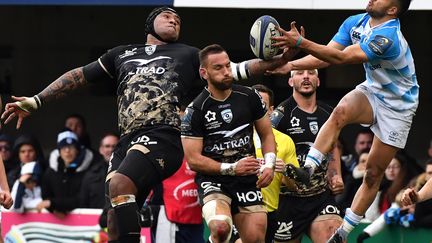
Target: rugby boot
column 297, row 174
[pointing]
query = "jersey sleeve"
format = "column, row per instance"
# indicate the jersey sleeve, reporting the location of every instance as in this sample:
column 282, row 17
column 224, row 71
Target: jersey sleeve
column 258, row 105
column 107, row 60
column 383, row 44
column 343, row 35
column 192, row 123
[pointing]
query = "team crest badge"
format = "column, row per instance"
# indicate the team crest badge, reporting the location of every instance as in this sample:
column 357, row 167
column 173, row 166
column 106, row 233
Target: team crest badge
column 313, row 127
column 227, row 115
column 150, row 49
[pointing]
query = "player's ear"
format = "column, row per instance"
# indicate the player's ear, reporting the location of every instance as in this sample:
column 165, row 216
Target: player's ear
column 392, row 10
column 318, row 82
column 290, row 82
column 203, row 73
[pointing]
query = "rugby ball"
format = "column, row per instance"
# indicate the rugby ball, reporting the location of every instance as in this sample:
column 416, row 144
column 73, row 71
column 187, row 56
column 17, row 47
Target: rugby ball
column 259, row 39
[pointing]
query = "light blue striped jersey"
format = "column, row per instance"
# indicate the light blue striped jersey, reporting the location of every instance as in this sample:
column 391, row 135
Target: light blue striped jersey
column 390, row 72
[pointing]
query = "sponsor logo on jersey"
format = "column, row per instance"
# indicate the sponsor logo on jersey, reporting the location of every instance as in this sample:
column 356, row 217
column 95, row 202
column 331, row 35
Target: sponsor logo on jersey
column 227, row 115
column 150, row 49
column 210, row 116
column 128, row 53
column 141, row 69
column 380, row 44
column 313, row 126
column 356, row 35
column 295, row 122
column 235, row 143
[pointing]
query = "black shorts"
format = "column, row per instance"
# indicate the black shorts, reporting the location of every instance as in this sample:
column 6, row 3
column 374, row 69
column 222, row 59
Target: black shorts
column 241, row 196
column 163, row 157
column 296, row 214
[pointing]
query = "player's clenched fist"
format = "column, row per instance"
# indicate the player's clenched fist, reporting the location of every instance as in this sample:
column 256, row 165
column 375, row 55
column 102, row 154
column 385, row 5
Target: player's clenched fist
column 409, row 196
column 5, row 199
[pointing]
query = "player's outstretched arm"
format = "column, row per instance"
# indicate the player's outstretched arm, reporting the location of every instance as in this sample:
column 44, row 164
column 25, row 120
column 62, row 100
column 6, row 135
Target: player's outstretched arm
column 255, row 67
column 350, row 55
column 23, row 106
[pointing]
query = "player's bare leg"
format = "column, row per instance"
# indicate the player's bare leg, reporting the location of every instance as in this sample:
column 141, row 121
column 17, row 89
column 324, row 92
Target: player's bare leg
column 251, row 226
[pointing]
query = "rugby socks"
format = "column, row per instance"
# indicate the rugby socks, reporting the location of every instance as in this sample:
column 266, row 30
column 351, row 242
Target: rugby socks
column 128, row 222
column 314, row 158
column 350, row 221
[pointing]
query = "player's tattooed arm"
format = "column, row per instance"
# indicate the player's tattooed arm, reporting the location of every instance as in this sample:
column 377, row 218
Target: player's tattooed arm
column 69, row 81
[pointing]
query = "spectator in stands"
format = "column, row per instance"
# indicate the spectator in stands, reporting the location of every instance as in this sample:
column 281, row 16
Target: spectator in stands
column 93, row 184
column 6, row 153
column 26, row 149
column 61, row 182
column 77, row 124
column 363, row 141
column 26, row 191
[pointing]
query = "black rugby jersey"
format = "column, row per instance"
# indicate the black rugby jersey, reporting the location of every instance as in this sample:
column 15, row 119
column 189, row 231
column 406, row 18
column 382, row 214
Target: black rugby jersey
column 303, row 128
column 225, row 126
column 151, row 81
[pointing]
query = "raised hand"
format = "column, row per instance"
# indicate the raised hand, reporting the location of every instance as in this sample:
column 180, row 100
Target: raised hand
column 19, row 109
column 290, row 38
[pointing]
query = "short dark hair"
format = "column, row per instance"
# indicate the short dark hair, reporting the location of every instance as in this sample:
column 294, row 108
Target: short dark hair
column 264, row 89
column 208, row 50
column 79, row 117
column 364, row 130
column 402, row 6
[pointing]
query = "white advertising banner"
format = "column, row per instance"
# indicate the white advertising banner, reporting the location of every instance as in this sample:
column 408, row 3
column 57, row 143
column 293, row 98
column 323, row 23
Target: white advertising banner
column 291, row 4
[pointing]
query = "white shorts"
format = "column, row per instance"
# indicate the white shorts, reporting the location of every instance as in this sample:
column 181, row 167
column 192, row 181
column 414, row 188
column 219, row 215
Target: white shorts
column 390, row 126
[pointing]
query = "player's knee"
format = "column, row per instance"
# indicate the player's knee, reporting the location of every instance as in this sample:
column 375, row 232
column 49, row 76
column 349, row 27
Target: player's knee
column 220, row 229
column 220, row 225
column 120, row 184
column 339, row 115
